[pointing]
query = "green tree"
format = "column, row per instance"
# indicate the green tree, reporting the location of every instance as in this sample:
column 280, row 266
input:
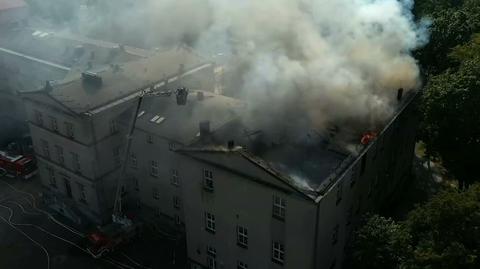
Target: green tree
column 444, row 233
column 381, row 243
column 451, row 117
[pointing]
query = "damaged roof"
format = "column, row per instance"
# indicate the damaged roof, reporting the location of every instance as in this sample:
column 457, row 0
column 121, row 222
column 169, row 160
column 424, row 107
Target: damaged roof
column 162, row 116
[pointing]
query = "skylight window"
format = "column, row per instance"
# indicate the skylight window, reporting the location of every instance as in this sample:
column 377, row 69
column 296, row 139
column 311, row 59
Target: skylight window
column 141, row 114
column 157, row 119
column 154, row 119
column 160, row 120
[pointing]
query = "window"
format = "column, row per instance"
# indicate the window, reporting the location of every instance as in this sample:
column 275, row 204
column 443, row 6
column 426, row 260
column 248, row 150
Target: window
column 158, row 212
column 175, row 179
column 116, row 157
column 278, row 252
column 363, row 164
column 137, row 185
column 69, row 129
column 113, row 126
column 279, row 206
column 60, row 157
column 45, row 148
column 133, row 160
column 51, row 177
column 75, row 161
column 155, row 194
column 339, row 192
column 171, row 145
column 242, row 236
column 81, row 191
column 177, row 219
column 211, row 257
column 38, row 117
column 154, row 168
column 241, row 265
column 208, row 179
column 176, row 202
column 335, row 234
column 149, row 139
column 353, row 177
column 210, row 222
column 53, row 124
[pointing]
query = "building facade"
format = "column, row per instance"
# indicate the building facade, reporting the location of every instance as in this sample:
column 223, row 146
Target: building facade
column 79, row 127
column 236, row 208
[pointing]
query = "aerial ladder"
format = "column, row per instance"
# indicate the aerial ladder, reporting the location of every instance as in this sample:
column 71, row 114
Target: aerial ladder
column 122, row 229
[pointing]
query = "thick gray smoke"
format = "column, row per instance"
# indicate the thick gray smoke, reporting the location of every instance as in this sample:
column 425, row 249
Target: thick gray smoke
column 300, row 64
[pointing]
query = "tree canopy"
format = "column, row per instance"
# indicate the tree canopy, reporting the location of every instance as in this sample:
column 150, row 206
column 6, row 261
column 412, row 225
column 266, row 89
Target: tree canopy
column 451, row 60
column 441, row 234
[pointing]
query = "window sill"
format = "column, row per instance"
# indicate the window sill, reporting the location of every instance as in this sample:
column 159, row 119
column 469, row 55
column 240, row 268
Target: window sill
column 277, row 261
column 242, row 245
column 282, row 219
column 208, row 189
column 210, row 230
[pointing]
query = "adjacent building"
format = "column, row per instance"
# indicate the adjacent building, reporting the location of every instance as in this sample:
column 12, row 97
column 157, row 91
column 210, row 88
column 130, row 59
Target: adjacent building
column 78, row 126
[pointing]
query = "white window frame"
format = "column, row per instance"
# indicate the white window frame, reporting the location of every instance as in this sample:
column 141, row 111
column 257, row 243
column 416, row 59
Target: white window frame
column 211, row 257
column 278, row 252
column 176, row 202
column 156, row 194
column 69, row 130
column 210, row 222
column 279, row 208
column 113, row 126
column 175, row 178
column 38, row 117
column 133, row 160
column 242, row 236
column 154, row 168
column 81, row 191
column 53, row 123
column 137, row 184
column 208, row 180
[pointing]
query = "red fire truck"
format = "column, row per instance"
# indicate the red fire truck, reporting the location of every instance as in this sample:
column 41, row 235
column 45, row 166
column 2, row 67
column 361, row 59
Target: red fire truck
column 17, row 166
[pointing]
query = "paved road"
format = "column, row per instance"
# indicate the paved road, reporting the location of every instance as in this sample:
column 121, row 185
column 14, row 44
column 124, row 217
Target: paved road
column 30, row 238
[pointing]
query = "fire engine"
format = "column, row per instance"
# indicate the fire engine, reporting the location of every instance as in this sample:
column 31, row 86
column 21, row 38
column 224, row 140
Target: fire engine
column 17, row 166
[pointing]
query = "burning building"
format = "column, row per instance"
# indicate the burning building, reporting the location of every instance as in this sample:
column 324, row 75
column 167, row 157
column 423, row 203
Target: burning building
column 243, row 197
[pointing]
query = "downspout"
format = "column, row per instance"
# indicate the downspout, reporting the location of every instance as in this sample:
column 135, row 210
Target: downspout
column 315, row 243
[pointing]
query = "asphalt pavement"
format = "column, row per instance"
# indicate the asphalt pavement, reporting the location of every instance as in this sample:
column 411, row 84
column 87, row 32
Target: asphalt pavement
column 33, row 237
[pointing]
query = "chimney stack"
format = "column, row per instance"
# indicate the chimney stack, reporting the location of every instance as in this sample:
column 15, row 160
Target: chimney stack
column 200, row 96
column 204, row 128
column 399, row 94
column 48, row 86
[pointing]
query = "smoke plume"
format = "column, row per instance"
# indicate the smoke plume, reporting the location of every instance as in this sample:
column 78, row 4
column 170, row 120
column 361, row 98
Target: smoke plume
column 299, row 64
